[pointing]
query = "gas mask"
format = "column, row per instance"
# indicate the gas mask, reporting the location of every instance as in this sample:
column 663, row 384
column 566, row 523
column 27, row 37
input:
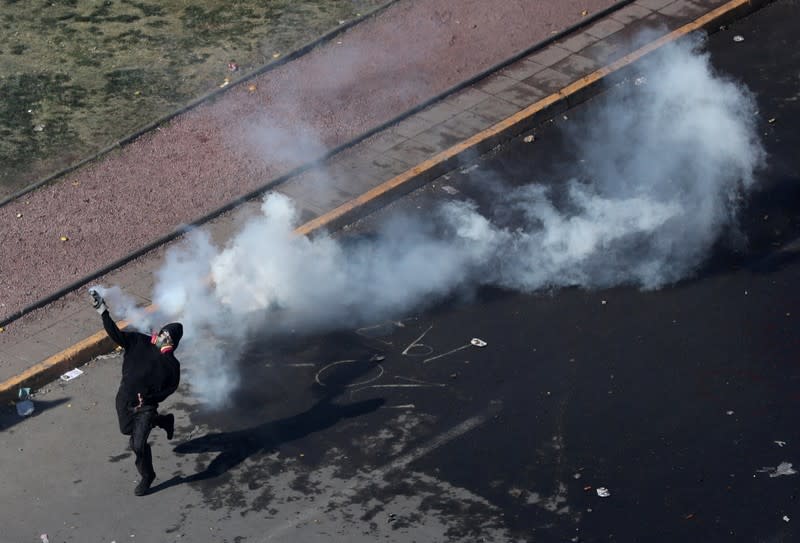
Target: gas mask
column 163, row 341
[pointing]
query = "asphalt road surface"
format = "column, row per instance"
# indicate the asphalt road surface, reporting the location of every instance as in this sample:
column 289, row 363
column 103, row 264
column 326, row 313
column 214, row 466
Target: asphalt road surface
column 588, row 415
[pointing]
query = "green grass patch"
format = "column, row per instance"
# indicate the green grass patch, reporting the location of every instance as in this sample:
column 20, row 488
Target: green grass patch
column 93, row 72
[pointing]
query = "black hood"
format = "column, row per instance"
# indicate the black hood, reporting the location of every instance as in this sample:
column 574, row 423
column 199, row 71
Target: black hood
column 175, row 330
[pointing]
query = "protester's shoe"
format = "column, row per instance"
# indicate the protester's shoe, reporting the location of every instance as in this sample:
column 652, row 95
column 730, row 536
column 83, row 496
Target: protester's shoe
column 168, row 424
column 144, row 485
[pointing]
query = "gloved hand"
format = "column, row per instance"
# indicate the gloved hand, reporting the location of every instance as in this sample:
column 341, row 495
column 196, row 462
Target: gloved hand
column 98, row 303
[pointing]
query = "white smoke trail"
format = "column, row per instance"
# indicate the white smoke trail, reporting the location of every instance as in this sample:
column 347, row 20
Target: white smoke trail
column 665, row 165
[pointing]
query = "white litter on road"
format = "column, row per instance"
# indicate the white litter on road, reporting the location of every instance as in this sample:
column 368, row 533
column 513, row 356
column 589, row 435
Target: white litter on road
column 784, row 468
column 71, row 374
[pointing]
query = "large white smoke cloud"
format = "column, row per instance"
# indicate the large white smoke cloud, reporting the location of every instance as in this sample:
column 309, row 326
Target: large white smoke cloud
column 665, row 164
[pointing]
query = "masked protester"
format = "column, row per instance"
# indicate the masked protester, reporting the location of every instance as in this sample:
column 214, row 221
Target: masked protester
column 150, row 373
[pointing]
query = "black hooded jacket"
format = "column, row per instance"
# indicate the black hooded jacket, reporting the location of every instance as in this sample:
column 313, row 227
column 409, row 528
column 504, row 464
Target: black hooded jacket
column 145, row 369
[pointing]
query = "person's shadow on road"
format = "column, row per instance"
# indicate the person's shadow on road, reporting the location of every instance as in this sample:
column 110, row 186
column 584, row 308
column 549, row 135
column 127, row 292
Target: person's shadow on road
column 235, row 447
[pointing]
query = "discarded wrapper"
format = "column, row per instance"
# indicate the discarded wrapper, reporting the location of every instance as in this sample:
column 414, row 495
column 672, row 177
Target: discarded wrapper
column 71, row 374
column 528, row 139
column 738, row 38
column 603, row 492
column 478, row 342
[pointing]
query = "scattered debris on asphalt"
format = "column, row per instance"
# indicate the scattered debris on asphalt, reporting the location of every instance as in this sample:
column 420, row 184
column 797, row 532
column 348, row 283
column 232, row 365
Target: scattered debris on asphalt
column 785, row 518
column 251, row 88
column 450, row 190
column 584, row 13
column 639, row 81
column 603, row 492
column 784, row 468
column 64, row 238
column 738, row 38
column 772, row 120
column 478, row 342
column 44, row 539
column 529, row 139
column 729, row 413
column 779, row 443
column 71, row 374
column 19, row 215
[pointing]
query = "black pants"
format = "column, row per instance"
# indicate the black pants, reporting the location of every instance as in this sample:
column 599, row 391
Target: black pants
column 137, row 423
column 143, row 420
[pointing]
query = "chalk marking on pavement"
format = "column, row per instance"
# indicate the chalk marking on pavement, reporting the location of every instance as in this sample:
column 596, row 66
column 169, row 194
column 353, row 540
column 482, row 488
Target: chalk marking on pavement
column 349, row 490
column 404, row 406
column 416, row 343
column 447, row 353
column 412, row 380
column 351, row 385
column 398, row 385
